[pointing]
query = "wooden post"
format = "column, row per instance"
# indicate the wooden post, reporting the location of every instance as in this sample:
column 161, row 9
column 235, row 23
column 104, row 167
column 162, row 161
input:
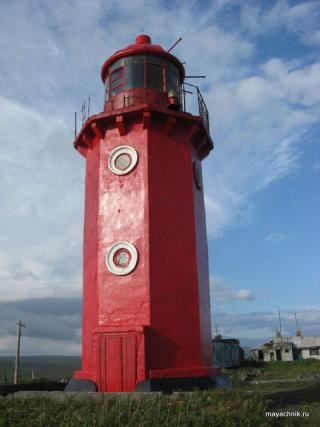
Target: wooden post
column 16, row 367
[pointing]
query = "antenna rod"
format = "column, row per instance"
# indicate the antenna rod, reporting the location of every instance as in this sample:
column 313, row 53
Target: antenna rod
column 175, row 44
column 17, row 364
column 89, row 105
column 75, row 125
column 295, row 316
column 280, row 325
column 83, row 111
column 195, row 77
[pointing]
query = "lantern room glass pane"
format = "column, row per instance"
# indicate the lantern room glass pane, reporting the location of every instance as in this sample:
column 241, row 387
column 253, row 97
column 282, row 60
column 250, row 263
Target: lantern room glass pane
column 116, row 74
column 134, row 58
column 106, row 83
column 172, row 79
column 142, row 71
column 155, row 59
column 134, row 76
column 116, row 81
column 116, row 64
column 155, row 76
column 116, row 90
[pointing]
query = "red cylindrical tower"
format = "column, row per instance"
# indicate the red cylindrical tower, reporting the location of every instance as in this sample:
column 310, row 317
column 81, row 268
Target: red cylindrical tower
column 146, row 309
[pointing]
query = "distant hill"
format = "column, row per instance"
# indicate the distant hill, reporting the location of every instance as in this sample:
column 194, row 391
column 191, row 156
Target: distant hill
column 43, row 367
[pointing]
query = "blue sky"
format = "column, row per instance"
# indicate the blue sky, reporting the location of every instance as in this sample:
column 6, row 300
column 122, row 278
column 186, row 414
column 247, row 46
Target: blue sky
column 262, row 90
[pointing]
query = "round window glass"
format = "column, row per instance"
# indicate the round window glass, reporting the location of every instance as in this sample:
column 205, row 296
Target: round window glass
column 122, row 258
column 123, row 161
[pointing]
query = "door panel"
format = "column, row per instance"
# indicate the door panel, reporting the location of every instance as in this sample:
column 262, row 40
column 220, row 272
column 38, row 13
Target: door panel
column 128, row 362
column 113, row 363
column 117, row 362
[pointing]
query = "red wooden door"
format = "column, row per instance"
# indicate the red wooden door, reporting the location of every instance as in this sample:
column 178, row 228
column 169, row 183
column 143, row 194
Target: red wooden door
column 117, row 362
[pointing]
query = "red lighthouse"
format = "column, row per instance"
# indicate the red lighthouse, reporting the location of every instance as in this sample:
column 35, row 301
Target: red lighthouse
column 146, row 309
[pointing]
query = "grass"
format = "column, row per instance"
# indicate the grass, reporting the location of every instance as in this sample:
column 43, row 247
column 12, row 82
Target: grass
column 272, row 371
column 244, row 405
column 205, row 408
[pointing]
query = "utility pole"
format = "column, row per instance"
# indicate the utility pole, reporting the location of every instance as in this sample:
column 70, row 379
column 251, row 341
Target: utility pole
column 16, row 367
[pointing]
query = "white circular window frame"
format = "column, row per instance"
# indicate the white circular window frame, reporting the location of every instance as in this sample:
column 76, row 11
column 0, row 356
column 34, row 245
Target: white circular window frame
column 120, row 271
column 116, row 152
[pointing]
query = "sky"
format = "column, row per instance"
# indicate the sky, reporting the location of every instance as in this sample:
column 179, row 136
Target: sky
column 262, row 192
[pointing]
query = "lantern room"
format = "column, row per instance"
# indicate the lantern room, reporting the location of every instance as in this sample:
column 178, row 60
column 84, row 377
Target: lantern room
column 142, row 72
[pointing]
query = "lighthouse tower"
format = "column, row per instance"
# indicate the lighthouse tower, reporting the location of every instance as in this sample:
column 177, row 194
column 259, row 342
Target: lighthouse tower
column 146, row 306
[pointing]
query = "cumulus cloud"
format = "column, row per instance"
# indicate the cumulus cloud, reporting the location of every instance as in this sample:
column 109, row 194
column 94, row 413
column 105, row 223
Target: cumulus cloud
column 40, row 254
column 49, row 322
column 223, row 292
column 253, row 328
column 275, row 237
column 301, row 19
column 259, row 122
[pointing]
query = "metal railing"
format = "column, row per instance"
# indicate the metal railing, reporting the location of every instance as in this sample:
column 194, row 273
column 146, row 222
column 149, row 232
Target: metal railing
column 129, row 100
column 203, row 111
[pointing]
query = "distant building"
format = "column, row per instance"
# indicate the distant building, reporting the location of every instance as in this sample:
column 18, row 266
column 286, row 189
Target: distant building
column 288, row 348
column 227, row 352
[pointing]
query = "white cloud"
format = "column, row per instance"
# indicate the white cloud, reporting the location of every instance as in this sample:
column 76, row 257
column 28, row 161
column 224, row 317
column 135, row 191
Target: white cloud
column 223, row 292
column 255, row 327
column 301, row 19
column 259, row 122
column 276, row 237
column 42, row 179
column 52, row 325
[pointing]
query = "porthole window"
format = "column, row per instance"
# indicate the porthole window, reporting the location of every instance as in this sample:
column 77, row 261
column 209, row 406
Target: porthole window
column 122, row 159
column 122, row 258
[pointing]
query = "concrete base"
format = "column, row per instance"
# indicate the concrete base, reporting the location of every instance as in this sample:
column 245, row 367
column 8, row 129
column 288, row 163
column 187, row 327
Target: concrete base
column 80, row 385
column 166, row 385
column 6, row 389
column 169, row 385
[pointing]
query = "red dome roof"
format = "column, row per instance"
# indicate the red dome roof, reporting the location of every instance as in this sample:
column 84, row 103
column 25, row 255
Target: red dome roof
column 142, row 46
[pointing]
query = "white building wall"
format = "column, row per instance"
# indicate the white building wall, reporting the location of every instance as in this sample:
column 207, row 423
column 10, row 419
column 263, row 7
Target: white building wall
column 306, row 354
column 267, row 356
column 287, row 356
column 295, row 344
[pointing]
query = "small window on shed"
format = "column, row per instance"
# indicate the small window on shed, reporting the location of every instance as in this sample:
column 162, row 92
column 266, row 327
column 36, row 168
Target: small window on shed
column 286, row 350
